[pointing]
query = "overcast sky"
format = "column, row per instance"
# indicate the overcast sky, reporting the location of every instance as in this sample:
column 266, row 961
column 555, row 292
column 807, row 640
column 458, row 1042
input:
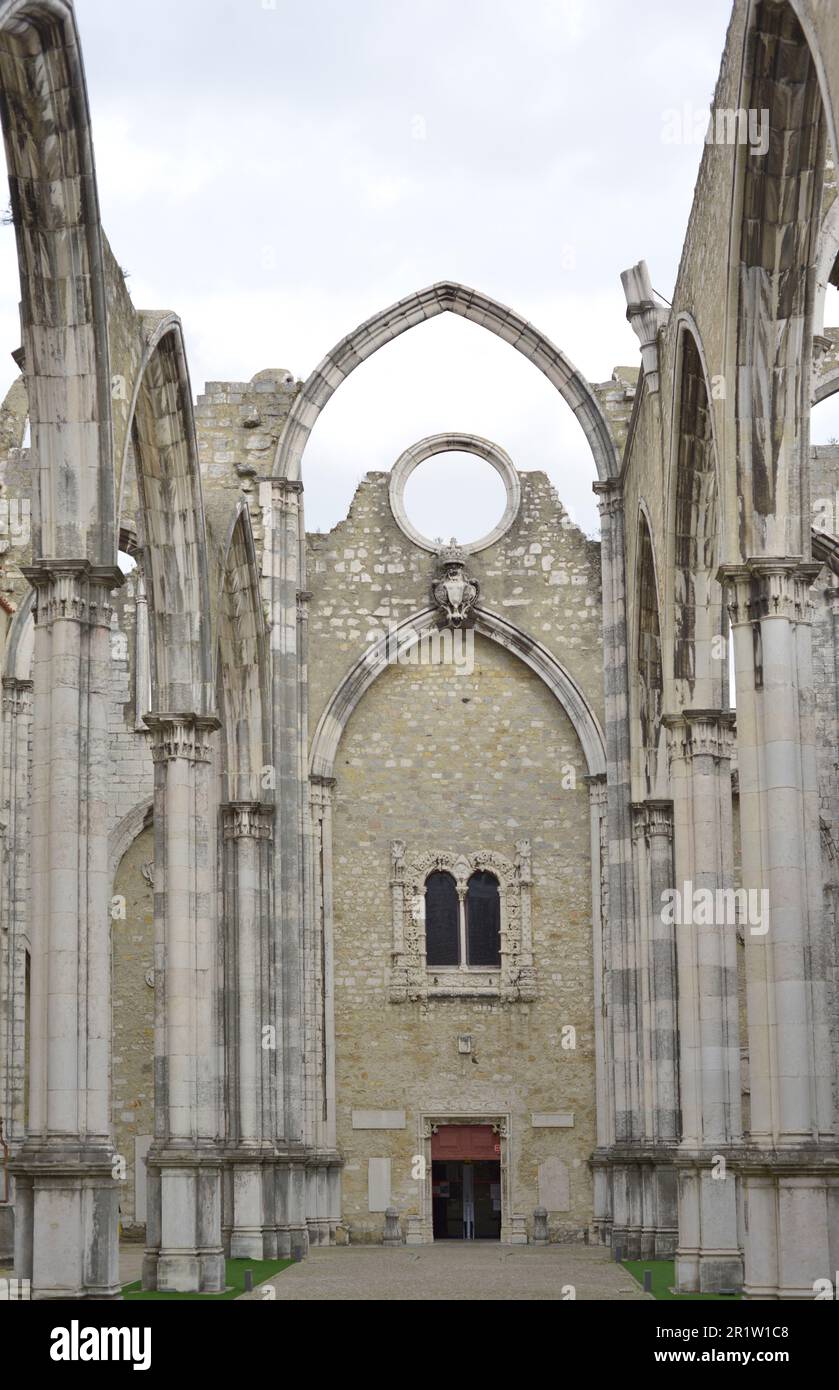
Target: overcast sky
column 276, row 173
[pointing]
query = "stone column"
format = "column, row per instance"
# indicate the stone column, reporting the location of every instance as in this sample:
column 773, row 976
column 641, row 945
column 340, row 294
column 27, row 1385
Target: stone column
column 67, row 1198
column 321, row 792
column 251, row 1026
column 700, row 744
column 654, row 849
column 792, row 1170
column 14, row 932
column 605, row 1108
column 664, row 1028
column 283, row 584
column 142, row 651
column 623, row 944
column 184, row 1250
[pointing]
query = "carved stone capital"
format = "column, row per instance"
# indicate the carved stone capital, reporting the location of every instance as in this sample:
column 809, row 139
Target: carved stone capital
column 184, row 736
column 638, row 812
column 251, row 820
column 73, row 590
column 609, row 495
column 769, row 588
column 698, row 733
column 321, row 789
column 17, row 696
column 597, row 789
column 659, row 818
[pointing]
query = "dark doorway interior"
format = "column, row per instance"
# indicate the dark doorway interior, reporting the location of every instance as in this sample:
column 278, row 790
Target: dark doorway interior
column 466, row 1199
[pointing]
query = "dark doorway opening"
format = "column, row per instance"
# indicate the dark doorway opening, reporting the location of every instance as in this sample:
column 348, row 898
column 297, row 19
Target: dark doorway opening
column 466, row 1199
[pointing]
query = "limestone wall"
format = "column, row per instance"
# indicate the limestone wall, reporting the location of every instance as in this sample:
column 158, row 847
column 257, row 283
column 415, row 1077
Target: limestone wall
column 460, row 759
column 462, row 762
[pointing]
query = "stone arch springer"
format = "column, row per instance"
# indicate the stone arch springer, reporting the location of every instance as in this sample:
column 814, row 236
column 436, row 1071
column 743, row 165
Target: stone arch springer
column 125, row 832
column 444, row 297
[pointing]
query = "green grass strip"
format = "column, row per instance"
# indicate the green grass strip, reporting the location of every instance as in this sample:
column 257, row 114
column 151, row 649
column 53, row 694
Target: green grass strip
column 234, row 1277
column 664, row 1279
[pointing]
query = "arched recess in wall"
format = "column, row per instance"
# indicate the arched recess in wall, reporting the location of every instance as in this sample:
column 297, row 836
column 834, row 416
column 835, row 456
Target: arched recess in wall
column 242, row 669
column 776, row 251
column 173, row 538
column 376, row 659
column 444, row 297
column 648, row 656
column 52, row 181
column 699, row 620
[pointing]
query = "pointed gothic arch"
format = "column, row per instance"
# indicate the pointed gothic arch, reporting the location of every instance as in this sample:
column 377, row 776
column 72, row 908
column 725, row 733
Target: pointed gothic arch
column 698, row 670
column 375, row 660
column 443, row 297
column 55, row 206
column 163, row 438
column 648, row 655
column 241, row 673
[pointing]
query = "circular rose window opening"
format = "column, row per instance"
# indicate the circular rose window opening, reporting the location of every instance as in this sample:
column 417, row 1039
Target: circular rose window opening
column 439, row 491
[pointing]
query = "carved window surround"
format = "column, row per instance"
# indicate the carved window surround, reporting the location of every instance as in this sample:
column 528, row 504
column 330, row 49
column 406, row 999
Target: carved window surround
column 411, row 977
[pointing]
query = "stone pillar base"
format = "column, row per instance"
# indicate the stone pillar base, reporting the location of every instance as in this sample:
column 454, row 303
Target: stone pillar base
column 67, row 1214
column 251, row 1236
column 708, row 1257
column 791, row 1238
column 185, row 1208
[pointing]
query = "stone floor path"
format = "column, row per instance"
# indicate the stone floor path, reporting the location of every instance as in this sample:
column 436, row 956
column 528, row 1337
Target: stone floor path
column 453, row 1270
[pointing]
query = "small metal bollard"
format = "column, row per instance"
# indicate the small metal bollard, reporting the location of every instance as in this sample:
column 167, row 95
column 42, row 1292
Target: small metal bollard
column 248, row 1281
column 618, row 1254
column 648, row 1281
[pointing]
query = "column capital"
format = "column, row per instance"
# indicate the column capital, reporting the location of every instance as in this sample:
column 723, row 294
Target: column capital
column 17, row 695
column 609, row 492
column 282, row 484
column 252, row 820
column 653, row 816
column 285, row 491
column 696, row 733
column 181, row 736
column 74, row 590
column 769, row 587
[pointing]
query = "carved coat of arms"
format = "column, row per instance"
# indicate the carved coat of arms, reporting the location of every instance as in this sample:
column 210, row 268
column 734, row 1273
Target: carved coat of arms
column 452, row 590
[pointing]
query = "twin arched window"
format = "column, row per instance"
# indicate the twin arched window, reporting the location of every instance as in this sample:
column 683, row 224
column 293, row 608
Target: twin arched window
column 466, row 930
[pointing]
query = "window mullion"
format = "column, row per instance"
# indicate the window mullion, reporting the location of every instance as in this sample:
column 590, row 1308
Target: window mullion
column 461, row 896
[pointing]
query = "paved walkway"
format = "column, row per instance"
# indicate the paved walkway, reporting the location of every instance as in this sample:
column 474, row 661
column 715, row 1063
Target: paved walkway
column 453, row 1270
